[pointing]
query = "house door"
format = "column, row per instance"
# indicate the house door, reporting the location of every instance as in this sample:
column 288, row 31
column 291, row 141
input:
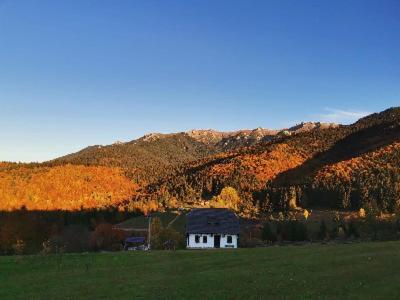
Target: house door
column 217, row 241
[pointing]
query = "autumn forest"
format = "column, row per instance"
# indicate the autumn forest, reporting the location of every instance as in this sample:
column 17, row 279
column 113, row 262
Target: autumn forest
column 340, row 167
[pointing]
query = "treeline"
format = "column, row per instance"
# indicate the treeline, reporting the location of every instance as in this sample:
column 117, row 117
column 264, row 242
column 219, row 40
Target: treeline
column 29, row 232
column 367, row 225
column 57, row 232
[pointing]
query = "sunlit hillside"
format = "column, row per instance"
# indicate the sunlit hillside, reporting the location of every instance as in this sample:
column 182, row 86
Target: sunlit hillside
column 65, row 187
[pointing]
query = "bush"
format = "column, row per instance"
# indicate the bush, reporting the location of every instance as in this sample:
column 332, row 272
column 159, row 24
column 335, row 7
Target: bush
column 292, row 230
column 352, row 230
column 165, row 238
column 171, row 239
column 105, row 237
column 74, row 238
column 246, row 242
column 384, row 229
column 21, row 228
column 19, row 247
column 398, row 225
column 323, row 233
column 268, row 234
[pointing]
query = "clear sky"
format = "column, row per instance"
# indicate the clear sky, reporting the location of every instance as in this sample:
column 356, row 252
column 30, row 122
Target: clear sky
column 78, row 73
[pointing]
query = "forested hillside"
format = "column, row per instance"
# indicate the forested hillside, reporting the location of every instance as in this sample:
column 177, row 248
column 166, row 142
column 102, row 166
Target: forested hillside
column 309, row 165
column 368, row 149
column 63, row 187
column 371, row 179
column 292, row 171
column 143, row 160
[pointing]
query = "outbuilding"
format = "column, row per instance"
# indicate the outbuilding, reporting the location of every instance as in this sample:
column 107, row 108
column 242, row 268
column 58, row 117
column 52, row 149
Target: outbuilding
column 212, row 228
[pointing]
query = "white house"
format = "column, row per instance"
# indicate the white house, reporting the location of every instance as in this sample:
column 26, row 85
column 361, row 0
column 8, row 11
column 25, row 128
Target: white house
column 212, row 228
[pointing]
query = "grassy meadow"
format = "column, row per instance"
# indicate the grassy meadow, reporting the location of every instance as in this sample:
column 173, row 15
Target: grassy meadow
column 359, row 270
column 168, row 218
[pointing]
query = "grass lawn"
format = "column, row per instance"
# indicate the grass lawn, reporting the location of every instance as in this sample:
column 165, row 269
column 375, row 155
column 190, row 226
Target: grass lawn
column 364, row 270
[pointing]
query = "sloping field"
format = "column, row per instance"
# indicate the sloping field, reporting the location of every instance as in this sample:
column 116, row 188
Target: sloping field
column 352, row 271
column 172, row 219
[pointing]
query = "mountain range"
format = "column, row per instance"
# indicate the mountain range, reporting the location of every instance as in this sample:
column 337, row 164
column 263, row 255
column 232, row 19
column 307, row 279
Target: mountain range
column 155, row 154
column 308, row 165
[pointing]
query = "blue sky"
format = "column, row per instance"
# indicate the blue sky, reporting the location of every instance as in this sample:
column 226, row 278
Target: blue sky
column 78, row 73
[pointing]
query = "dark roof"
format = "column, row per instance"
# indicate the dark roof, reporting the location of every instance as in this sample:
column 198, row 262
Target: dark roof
column 135, row 239
column 212, row 220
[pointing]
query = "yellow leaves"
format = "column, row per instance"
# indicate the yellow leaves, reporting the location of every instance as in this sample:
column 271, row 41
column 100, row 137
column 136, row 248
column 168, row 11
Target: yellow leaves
column 66, row 187
column 361, row 213
column 228, row 198
column 306, row 214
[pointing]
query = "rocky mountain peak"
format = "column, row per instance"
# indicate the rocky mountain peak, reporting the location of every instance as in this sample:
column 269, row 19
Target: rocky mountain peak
column 151, row 137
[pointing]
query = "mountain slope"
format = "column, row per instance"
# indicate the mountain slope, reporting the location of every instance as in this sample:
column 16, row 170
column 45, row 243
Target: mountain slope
column 154, row 155
column 279, row 173
column 143, row 160
column 372, row 179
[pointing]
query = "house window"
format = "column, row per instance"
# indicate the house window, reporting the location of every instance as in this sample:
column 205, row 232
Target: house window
column 205, row 239
column 197, row 239
column 229, row 239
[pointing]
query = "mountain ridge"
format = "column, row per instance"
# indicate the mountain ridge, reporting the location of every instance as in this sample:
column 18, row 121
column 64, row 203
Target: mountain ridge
column 216, row 137
column 308, row 165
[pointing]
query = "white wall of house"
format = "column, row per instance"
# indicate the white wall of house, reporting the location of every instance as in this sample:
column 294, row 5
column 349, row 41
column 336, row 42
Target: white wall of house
column 209, row 243
column 192, row 241
column 224, row 241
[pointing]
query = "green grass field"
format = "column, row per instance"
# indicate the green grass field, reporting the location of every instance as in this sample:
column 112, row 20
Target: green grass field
column 363, row 270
